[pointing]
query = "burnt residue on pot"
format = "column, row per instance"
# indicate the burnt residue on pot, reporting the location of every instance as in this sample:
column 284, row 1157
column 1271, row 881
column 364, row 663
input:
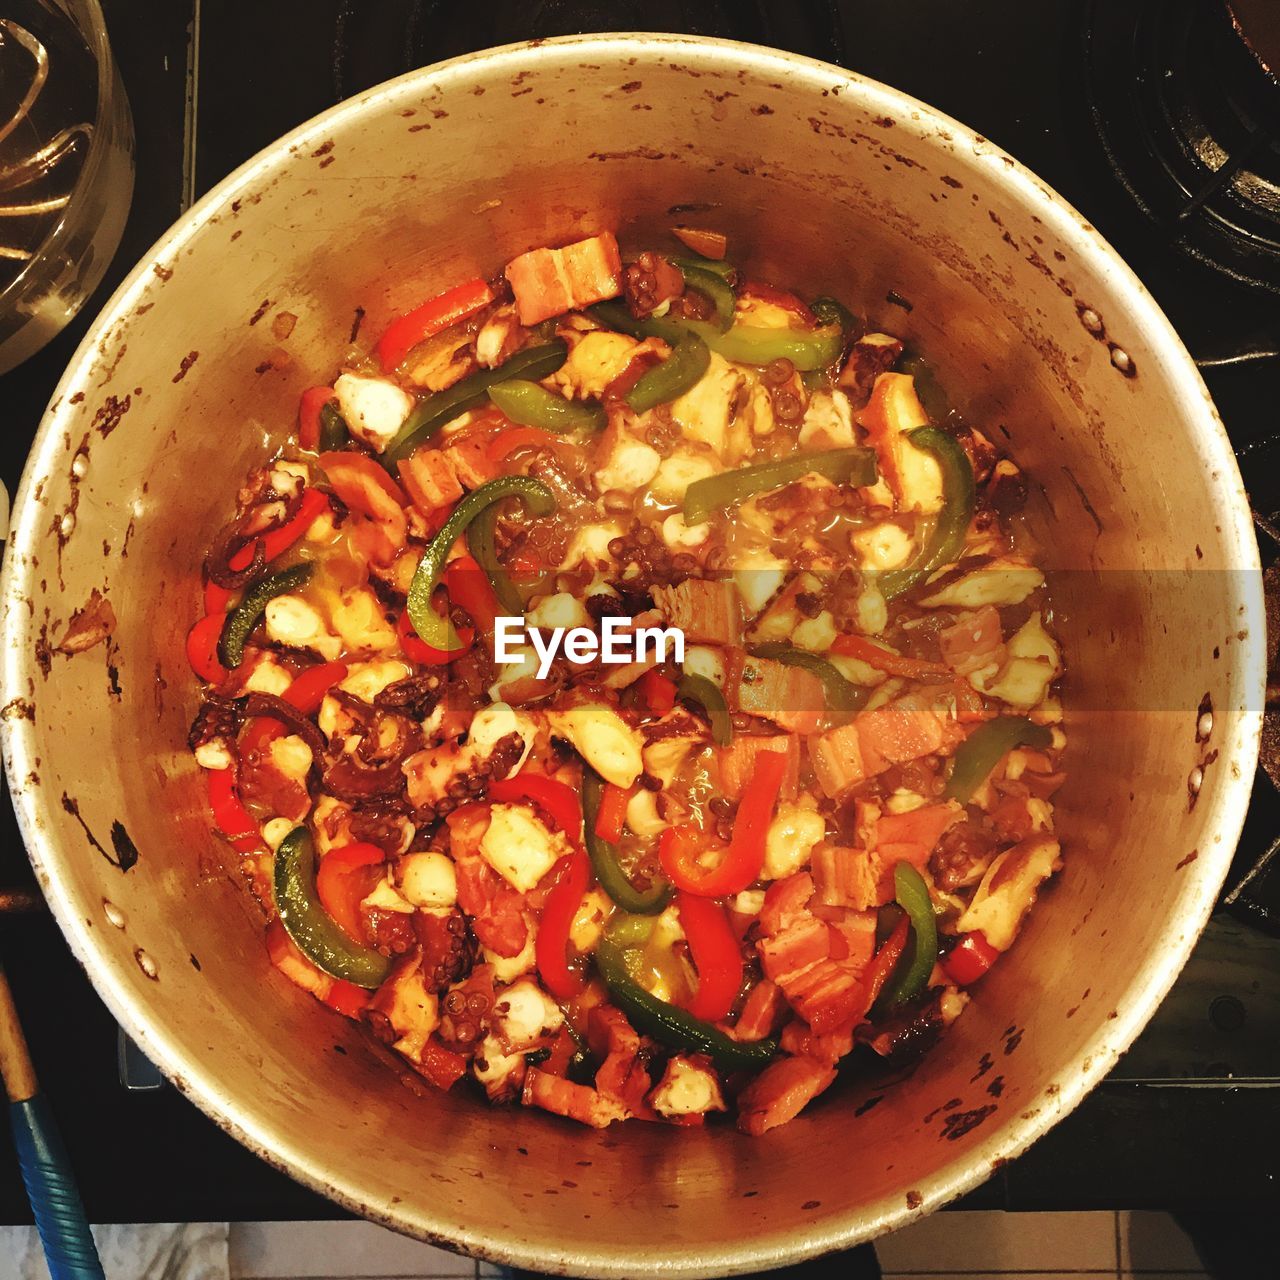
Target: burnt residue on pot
column 263, row 307
column 1188, row 860
column 19, row 709
column 43, row 650
column 1084, row 499
column 356, row 321
column 90, row 625
column 956, row 1126
column 109, row 413
column 985, row 1063
column 1204, row 718
column 185, row 364
column 125, row 853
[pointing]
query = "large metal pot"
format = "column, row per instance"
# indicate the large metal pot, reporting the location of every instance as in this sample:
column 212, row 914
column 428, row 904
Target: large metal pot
column 833, row 182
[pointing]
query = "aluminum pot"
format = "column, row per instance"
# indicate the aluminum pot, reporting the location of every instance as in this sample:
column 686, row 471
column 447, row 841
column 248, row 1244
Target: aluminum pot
column 824, row 179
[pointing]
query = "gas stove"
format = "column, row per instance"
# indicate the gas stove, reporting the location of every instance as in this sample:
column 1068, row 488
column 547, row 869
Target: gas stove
column 1153, row 117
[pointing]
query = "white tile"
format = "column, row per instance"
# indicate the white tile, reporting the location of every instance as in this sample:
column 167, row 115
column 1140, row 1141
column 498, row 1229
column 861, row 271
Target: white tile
column 1155, row 1242
column 989, row 1242
column 350, row 1250
column 153, row 1251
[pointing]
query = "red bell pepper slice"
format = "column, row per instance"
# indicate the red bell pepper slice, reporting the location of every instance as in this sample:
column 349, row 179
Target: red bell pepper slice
column 341, row 890
column 894, row 664
column 970, row 959
column 229, row 815
column 434, row 316
column 507, row 442
column 469, row 587
column 659, row 692
column 716, row 955
column 306, row 693
column 282, row 538
column 202, row 649
column 369, row 491
column 611, row 816
column 744, row 858
column 884, row 962
column 348, row 999
column 313, row 400
column 572, row 875
column 427, row 655
column 441, row 1066
column 559, row 802
column 216, row 598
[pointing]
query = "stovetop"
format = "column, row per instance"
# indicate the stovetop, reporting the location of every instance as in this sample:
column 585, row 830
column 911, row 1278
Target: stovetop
column 1188, row 1119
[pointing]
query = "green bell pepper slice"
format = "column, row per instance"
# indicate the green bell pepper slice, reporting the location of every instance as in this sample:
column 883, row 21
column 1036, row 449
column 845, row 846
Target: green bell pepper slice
column 833, row 311
column 314, row 931
column 334, row 432
column 984, row 748
column 253, row 604
column 703, row 498
column 482, row 543
column 715, row 288
column 532, row 405
column 604, row 860
column 434, row 629
column 746, row 344
column 946, row 542
column 470, row 393
column 912, row 895
column 678, row 373
column 726, row 271
column 843, row 696
column 675, row 1027
column 710, row 697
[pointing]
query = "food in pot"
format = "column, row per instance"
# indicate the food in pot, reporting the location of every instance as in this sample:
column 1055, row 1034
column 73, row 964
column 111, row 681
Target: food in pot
column 704, row 877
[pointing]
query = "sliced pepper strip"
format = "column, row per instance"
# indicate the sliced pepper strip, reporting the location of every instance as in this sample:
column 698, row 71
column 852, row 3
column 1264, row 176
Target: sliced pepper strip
column 438, row 631
column 427, row 655
column 843, row 696
column 229, row 815
column 946, row 542
column 532, row 405
column 612, row 814
column 433, row 316
column 482, row 543
column 604, row 855
column 881, row 968
column 703, row 498
column 912, row 895
column 469, row 587
column 202, row 649
column 557, row 800
column 312, row 929
column 807, row 349
column 710, row 697
column 313, row 400
column 678, row 373
column 675, row 1027
column 572, row 875
column 244, row 617
column 717, row 956
column 279, row 540
column 507, row 442
column 658, row 692
column 970, row 959
column 470, row 393
column 985, row 747
column 339, row 890
column 334, row 432
column 894, row 664
column 714, row 286
column 744, row 858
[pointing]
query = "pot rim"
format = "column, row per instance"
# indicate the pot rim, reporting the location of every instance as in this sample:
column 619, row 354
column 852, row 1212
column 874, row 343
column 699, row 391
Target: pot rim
column 1228, row 801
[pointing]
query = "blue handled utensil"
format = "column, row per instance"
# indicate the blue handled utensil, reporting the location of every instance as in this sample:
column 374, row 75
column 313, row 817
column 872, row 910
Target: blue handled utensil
column 55, row 1202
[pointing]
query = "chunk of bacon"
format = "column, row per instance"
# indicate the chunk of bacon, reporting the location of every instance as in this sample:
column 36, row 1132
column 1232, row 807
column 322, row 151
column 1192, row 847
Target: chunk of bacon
column 761, row 1012
column 707, row 612
column 975, row 640
column 791, row 697
column 549, row 282
column 903, row 730
column 786, row 954
column 621, row 1077
column 847, row 877
column 565, row 1098
column 781, row 1092
column 735, row 763
column 496, row 908
column 785, row 901
column 429, row 479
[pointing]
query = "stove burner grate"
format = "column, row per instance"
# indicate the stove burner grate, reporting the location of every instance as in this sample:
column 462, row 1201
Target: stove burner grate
column 1190, row 123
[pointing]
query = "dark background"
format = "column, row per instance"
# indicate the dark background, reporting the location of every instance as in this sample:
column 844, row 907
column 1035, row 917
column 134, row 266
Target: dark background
column 209, row 89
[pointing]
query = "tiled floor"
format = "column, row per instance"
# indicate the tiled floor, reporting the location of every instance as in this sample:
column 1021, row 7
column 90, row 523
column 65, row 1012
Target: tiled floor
column 947, row 1246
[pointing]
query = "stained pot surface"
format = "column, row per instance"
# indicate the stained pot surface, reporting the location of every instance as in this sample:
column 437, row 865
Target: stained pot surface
column 828, row 181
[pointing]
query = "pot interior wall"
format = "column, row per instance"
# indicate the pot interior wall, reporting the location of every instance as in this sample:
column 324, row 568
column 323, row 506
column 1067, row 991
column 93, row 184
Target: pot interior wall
column 820, row 181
